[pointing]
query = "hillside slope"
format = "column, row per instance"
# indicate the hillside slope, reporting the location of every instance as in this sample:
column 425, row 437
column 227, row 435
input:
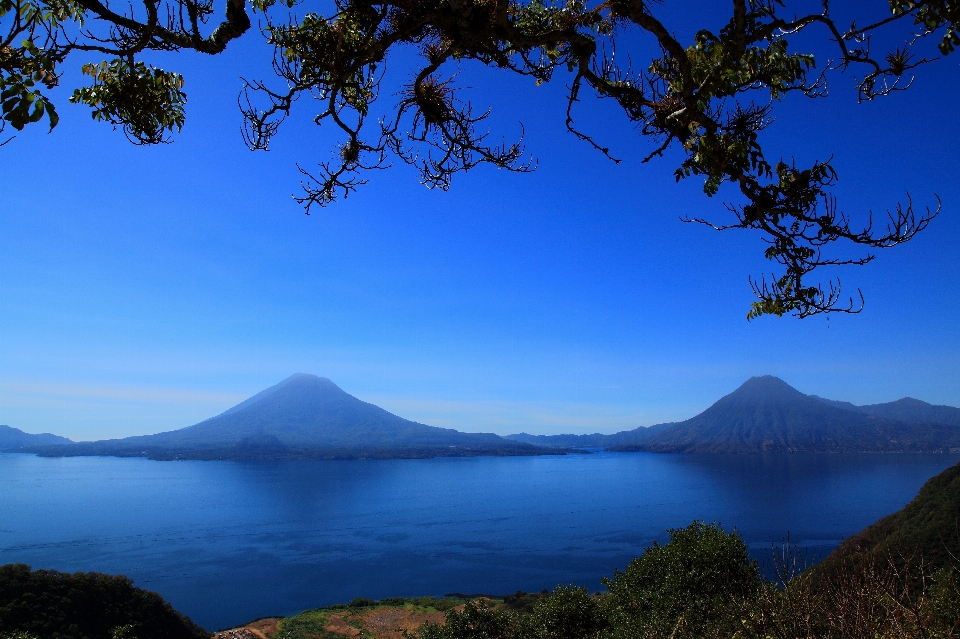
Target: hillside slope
column 930, row 525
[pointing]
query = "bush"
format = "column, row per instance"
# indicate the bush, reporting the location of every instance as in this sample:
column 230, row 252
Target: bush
column 392, row 601
column 683, row 587
column 362, row 602
column 477, row 620
column 567, row 613
column 523, row 601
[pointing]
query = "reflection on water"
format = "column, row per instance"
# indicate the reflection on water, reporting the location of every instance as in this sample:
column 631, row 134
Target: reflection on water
column 226, row 541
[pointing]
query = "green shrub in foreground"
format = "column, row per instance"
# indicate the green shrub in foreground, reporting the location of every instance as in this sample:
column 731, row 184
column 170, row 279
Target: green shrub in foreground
column 685, row 586
column 568, row 612
column 477, row 620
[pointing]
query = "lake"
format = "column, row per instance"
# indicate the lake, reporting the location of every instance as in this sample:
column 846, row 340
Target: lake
column 226, row 542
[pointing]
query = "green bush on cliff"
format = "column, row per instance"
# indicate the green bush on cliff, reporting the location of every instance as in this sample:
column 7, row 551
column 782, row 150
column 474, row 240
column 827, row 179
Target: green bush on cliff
column 48, row 604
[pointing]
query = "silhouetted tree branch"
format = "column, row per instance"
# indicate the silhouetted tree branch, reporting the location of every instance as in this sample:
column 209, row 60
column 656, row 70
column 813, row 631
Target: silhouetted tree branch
column 710, row 98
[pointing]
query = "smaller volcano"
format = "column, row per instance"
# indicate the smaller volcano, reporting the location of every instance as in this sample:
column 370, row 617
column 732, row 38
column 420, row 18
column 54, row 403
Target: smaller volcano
column 768, row 415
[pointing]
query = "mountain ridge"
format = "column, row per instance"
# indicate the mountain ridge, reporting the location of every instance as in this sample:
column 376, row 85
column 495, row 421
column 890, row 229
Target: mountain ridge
column 594, row 440
column 12, row 439
column 905, row 409
column 309, row 417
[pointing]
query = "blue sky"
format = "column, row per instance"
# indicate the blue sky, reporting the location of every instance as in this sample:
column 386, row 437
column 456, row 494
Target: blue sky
column 145, row 289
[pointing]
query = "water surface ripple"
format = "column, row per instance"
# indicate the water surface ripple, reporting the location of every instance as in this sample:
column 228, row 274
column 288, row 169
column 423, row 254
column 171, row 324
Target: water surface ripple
column 226, row 542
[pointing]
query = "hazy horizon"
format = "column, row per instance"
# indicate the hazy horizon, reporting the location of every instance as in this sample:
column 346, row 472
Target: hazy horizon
column 408, row 407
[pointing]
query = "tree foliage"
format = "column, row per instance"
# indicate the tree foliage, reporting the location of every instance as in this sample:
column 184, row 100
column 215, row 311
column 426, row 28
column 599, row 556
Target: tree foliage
column 709, row 99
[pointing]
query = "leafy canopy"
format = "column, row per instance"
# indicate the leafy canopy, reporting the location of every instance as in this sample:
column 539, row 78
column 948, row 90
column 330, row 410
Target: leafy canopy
column 709, row 99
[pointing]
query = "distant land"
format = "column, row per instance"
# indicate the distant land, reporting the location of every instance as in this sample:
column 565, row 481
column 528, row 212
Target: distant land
column 767, row 415
column 14, row 439
column 310, row 417
column 302, row 417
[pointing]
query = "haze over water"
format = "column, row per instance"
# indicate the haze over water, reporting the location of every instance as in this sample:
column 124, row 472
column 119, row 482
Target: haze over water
column 226, row 542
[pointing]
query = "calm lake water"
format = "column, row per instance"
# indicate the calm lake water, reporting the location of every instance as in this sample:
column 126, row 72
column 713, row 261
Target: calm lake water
column 226, row 542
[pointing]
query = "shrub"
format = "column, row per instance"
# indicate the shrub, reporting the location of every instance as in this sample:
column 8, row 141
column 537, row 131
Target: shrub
column 362, row 602
column 684, row 586
column 477, row 620
column 568, row 612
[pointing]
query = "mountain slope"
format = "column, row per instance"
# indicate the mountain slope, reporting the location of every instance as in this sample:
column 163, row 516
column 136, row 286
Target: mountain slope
column 767, row 415
column 304, row 416
column 930, row 525
column 14, row 439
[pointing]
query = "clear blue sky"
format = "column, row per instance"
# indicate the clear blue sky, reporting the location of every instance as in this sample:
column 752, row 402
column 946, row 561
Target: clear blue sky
column 146, row 289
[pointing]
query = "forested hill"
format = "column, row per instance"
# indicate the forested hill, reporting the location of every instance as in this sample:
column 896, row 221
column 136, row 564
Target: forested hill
column 928, row 526
column 14, row 439
column 303, row 417
column 768, row 415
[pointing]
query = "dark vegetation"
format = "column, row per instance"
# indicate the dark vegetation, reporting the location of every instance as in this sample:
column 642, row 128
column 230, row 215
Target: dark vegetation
column 47, row 604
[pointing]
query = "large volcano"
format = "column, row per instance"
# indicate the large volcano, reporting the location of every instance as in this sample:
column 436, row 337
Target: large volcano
column 304, row 416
